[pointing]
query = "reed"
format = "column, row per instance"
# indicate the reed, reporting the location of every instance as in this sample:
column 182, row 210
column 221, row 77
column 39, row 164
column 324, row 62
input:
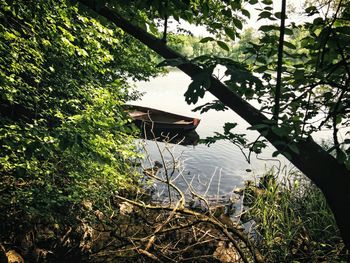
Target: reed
column 292, row 221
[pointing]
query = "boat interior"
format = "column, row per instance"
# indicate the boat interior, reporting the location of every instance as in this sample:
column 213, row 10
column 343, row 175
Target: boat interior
column 158, row 117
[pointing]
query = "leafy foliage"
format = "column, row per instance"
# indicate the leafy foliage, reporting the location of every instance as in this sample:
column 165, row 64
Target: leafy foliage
column 315, row 76
column 217, row 105
column 64, row 136
column 212, row 14
column 198, row 86
column 315, row 72
column 194, row 46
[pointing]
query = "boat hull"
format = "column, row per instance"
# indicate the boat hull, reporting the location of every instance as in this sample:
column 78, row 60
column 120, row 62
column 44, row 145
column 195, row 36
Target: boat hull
column 153, row 119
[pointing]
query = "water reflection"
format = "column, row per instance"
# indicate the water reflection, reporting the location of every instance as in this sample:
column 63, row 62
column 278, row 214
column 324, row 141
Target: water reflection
column 183, row 138
column 215, row 170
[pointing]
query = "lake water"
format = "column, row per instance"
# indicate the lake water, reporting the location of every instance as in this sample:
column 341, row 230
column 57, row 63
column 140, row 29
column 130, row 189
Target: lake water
column 213, row 170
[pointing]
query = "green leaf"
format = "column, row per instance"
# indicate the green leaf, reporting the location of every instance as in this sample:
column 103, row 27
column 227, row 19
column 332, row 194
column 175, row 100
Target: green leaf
column 275, row 153
column 215, row 105
column 153, row 28
column 346, row 141
column 288, row 156
column 288, row 31
column 223, row 45
column 227, row 12
column 267, row 2
column 205, row 9
column 199, row 83
column 230, row 32
column 262, row 60
column 318, row 21
column 265, row 14
column 261, row 69
column 267, row 28
column 206, row 39
column 235, row 5
column 237, row 23
column 289, row 45
column 311, row 10
column 328, row 95
column 229, row 126
column 279, row 15
column 245, row 13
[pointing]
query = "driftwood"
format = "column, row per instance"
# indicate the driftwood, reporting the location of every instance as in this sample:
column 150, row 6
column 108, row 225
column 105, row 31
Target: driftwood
column 171, row 232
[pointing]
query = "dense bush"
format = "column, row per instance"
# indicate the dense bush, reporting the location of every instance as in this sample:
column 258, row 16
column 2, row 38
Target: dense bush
column 63, row 133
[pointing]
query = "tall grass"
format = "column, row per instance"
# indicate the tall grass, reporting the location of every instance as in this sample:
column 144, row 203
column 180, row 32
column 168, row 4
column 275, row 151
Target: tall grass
column 293, row 221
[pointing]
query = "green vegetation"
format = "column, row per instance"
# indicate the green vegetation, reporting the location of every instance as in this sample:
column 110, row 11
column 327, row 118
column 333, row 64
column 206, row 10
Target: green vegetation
column 64, row 138
column 190, row 46
column 193, row 46
column 293, row 221
column 63, row 133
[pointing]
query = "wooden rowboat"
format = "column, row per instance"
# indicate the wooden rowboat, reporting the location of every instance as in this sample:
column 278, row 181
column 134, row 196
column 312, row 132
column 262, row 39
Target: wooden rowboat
column 159, row 120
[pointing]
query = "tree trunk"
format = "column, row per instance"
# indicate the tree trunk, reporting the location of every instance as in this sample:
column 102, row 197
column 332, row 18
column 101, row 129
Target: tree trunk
column 322, row 168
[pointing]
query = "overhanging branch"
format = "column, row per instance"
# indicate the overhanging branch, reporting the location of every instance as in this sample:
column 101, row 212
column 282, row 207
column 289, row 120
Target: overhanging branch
column 250, row 114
